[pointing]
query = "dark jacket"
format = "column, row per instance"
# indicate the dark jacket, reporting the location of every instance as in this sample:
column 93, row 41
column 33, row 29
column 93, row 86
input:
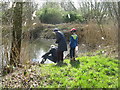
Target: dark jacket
column 73, row 41
column 61, row 41
column 52, row 52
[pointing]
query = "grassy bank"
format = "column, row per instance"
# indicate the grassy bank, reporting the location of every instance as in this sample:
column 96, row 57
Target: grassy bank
column 86, row 72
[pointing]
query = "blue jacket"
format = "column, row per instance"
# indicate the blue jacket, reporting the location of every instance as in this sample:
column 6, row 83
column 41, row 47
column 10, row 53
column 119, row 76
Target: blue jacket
column 61, row 41
column 73, row 41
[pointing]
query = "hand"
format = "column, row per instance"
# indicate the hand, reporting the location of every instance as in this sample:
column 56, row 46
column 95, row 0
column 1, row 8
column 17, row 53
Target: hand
column 43, row 56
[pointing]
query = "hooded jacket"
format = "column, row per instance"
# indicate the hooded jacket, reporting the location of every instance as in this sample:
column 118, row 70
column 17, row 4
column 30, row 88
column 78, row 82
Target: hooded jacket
column 73, row 41
column 61, row 41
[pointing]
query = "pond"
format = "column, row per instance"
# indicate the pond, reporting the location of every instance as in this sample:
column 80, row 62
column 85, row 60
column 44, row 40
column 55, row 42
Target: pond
column 39, row 47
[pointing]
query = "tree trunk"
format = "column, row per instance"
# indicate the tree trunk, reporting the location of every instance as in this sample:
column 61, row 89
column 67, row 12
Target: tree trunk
column 119, row 30
column 16, row 35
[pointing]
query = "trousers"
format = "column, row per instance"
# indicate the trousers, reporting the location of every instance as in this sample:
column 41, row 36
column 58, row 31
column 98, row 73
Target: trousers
column 50, row 58
column 72, row 52
column 60, row 56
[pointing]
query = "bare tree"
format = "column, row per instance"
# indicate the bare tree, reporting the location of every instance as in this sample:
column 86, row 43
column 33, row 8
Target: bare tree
column 119, row 15
column 68, row 5
column 16, row 34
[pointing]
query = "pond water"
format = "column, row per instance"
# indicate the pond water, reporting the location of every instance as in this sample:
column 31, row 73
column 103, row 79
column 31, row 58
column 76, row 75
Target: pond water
column 40, row 47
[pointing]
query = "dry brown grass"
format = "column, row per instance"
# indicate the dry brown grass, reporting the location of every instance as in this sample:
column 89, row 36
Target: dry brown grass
column 92, row 33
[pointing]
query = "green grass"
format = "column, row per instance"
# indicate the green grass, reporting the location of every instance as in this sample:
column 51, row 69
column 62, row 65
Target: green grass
column 86, row 72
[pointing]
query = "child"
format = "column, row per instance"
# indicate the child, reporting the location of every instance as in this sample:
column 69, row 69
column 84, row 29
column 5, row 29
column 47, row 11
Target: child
column 51, row 55
column 73, row 44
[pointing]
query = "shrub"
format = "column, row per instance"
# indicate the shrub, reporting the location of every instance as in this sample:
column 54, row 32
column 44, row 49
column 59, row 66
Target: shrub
column 50, row 16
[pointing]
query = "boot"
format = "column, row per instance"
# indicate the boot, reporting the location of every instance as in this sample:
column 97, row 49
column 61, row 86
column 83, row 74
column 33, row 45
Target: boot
column 70, row 59
column 43, row 60
column 74, row 59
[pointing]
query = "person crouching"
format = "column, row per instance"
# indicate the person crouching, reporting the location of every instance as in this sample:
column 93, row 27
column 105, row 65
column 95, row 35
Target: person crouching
column 51, row 55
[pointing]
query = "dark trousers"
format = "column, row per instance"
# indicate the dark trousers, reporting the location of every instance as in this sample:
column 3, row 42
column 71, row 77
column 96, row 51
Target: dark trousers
column 59, row 56
column 50, row 58
column 72, row 52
